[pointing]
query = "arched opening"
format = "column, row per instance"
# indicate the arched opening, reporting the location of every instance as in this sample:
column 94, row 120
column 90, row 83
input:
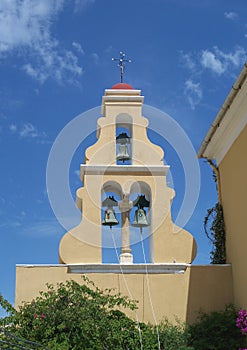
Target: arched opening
column 140, row 227
column 124, row 139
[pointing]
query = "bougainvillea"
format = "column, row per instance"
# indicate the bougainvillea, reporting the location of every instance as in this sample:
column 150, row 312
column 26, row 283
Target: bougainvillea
column 241, row 323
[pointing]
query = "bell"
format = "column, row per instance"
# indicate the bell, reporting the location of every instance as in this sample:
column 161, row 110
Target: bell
column 140, row 219
column 123, row 152
column 110, row 218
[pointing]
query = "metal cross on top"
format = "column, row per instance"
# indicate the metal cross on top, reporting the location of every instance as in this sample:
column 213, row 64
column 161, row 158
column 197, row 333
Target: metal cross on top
column 121, row 64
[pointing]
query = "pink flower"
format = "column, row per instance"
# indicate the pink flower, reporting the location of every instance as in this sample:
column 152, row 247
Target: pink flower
column 42, row 316
column 35, row 315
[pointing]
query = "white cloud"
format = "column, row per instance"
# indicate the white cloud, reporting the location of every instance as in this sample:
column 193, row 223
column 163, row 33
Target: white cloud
column 78, row 47
column 188, row 61
column 35, row 73
column 28, row 130
column 25, row 22
column 95, row 57
column 13, row 128
column 219, row 62
column 215, row 60
column 209, row 60
column 236, row 58
column 25, row 27
column 193, row 93
column 231, row 15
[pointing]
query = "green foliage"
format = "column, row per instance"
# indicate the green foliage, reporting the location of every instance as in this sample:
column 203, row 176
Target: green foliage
column 71, row 316
column 74, row 316
column 9, row 341
column 174, row 336
column 6, row 305
column 216, row 331
column 216, row 233
column 9, row 309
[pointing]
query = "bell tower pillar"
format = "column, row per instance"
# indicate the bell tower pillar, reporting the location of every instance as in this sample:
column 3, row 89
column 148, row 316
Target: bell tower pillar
column 125, row 257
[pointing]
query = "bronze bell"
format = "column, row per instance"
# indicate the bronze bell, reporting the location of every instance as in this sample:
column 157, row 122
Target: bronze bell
column 123, row 152
column 110, row 216
column 140, row 219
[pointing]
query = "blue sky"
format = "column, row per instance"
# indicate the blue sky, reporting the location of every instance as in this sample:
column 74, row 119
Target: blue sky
column 55, row 63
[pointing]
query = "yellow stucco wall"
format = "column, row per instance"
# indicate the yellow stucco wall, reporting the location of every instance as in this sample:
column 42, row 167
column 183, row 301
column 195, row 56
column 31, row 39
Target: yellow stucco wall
column 204, row 288
column 233, row 179
column 210, row 289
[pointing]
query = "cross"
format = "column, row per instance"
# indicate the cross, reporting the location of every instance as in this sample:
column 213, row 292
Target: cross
column 121, row 61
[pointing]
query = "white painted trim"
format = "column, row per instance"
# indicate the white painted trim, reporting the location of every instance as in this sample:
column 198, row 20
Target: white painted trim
column 165, row 268
column 229, row 129
column 129, row 268
column 122, row 98
column 158, row 170
column 126, row 258
column 229, row 122
column 122, row 92
column 40, row 265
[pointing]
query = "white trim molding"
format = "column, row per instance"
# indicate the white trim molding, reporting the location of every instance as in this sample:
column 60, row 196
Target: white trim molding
column 174, row 268
column 147, row 170
column 162, row 268
column 229, row 122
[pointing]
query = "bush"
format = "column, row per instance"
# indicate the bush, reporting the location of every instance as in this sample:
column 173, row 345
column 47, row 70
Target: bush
column 216, row 331
column 165, row 336
column 71, row 316
column 174, row 336
column 74, row 316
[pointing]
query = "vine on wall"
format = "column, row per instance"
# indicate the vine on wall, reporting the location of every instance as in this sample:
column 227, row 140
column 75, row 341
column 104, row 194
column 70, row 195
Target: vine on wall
column 214, row 227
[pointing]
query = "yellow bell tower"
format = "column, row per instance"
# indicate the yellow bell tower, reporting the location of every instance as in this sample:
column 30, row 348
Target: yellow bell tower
column 125, row 163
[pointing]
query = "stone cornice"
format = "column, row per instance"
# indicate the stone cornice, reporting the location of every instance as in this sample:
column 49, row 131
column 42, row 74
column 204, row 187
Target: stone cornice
column 163, row 268
column 157, row 170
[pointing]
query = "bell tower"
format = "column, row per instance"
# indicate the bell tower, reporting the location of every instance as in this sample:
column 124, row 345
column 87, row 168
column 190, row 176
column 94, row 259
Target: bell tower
column 123, row 163
column 125, row 199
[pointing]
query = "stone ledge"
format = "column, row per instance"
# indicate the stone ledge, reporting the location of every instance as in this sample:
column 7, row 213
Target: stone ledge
column 174, row 268
column 147, row 170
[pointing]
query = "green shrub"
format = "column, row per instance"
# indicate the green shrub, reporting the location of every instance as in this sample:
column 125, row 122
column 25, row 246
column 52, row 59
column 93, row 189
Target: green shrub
column 71, row 316
column 174, row 336
column 216, row 331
